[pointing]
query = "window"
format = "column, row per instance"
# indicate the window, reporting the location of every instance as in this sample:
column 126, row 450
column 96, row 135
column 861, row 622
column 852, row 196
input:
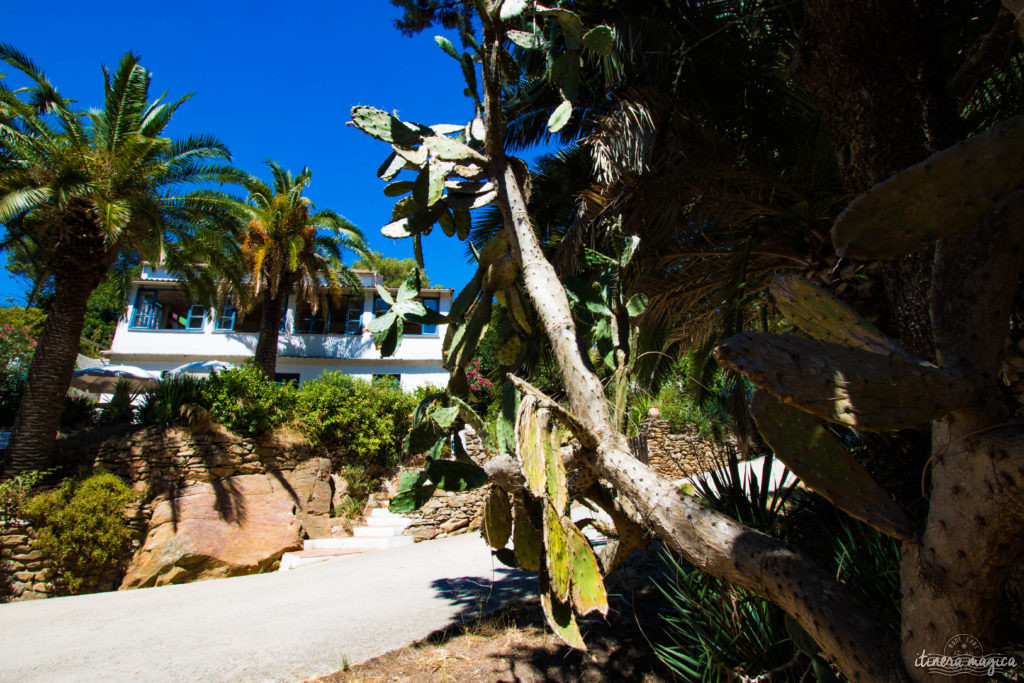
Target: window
column 286, row 377
column 166, row 309
column 230, row 319
column 340, row 317
column 380, row 307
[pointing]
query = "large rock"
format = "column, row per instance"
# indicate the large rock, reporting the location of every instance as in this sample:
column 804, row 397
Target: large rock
column 310, row 486
column 234, row 526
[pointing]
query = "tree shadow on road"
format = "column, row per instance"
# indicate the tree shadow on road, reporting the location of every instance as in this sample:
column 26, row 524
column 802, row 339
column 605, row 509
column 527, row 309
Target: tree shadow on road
column 476, row 596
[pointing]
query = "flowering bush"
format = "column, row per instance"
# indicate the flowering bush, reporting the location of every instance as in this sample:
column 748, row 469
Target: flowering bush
column 475, row 378
column 16, row 348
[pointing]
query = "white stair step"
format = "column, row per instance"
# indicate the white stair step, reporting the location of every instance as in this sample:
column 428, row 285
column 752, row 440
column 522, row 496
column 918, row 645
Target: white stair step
column 377, row 531
column 396, row 522
column 358, row 543
column 385, row 513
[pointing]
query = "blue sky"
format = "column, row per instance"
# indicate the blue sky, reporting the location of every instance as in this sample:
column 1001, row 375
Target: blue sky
column 272, row 81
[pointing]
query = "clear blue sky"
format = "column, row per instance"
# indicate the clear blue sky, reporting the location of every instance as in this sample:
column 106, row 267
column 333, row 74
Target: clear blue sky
column 272, row 80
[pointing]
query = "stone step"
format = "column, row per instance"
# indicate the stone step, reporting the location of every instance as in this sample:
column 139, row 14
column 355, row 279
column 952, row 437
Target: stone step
column 395, row 521
column 303, row 557
column 357, row 543
column 384, row 513
column 377, row 531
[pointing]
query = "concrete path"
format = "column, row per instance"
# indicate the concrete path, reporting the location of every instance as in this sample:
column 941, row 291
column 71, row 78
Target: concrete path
column 281, row 626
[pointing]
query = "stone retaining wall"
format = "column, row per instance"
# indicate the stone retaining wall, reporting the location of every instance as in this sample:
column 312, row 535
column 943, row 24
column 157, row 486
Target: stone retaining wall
column 157, row 464
column 677, row 454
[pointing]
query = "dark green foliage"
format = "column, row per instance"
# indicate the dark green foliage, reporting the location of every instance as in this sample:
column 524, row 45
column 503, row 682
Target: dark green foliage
column 172, row 400
column 121, row 408
column 392, row 270
column 246, row 401
column 366, row 420
column 81, row 524
column 717, row 632
column 14, row 491
column 107, row 303
column 697, row 394
column 80, row 411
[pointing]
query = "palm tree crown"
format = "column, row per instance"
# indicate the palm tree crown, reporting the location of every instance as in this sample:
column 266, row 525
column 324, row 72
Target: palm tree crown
column 291, row 248
column 83, row 188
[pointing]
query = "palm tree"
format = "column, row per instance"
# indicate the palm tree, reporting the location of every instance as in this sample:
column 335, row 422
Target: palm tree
column 85, row 189
column 285, row 252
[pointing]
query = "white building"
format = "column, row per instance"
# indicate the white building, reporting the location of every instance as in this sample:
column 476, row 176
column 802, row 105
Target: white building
column 162, row 330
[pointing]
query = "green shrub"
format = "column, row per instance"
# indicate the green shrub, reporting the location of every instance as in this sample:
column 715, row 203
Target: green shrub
column 172, row 400
column 80, row 410
column 81, row 524
column 246, row 401
column 368, row 421
column 14, row 492
column 121, row 407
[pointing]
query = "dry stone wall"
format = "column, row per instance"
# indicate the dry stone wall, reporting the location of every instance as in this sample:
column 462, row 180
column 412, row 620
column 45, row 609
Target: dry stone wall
column 231, row 505
column 677, row 454
column 674, row 454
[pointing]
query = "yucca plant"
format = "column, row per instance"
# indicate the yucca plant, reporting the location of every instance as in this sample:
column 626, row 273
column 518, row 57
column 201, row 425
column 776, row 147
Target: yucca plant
column 172, row 401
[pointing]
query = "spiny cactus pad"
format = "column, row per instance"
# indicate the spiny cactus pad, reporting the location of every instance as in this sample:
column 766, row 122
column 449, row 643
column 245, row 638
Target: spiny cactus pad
column 825, row 466
column 942, row 195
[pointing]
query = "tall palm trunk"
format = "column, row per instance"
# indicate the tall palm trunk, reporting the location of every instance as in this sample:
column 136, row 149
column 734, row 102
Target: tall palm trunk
column 270, row 326
column 79, row 264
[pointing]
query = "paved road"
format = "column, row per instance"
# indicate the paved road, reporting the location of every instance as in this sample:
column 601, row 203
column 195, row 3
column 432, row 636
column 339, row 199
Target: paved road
column 283, row 626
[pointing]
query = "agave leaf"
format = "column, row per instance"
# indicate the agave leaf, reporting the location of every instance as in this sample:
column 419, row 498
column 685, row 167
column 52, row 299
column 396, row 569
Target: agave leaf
column 447, row 46
column 562, row 621
column 384, row 126
column 944, row 194
column 600, row 39
column 825, row 466
column 497, row 526
column 588, row 591
column 858, row 388
column 560, row 116
column 528, row 447
column 825, row 317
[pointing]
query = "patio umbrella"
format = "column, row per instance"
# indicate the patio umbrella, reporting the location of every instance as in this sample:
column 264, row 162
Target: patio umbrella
column 200, row 368
column 102, row 379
